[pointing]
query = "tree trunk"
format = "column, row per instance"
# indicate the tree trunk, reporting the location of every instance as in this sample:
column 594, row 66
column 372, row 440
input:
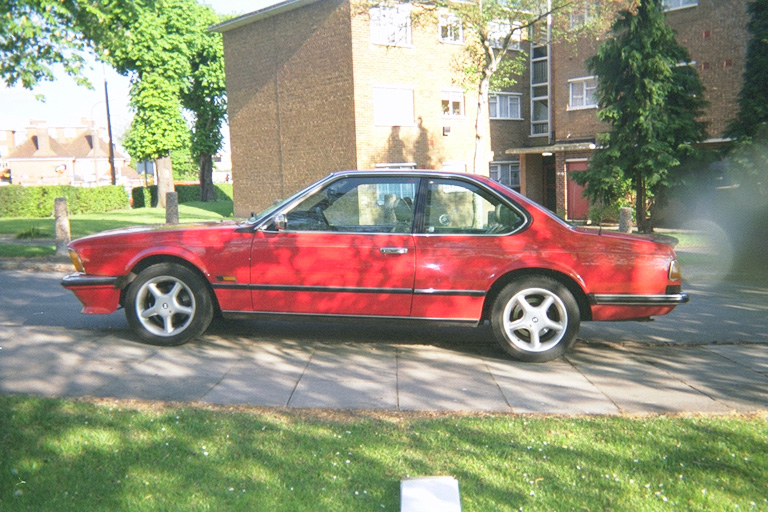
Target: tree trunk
column 643, row 222
column 164, row 177
column 482, row 129
column 207, row 192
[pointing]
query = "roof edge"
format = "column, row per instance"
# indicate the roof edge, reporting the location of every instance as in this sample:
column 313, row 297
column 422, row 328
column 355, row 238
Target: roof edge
column 266, row 12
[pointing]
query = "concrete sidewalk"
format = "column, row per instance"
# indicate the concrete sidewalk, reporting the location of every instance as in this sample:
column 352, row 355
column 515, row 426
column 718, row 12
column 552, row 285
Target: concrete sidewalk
column 264, row 370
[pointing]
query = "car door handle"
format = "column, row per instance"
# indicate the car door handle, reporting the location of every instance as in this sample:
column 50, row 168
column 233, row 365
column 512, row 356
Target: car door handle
column 394, row 250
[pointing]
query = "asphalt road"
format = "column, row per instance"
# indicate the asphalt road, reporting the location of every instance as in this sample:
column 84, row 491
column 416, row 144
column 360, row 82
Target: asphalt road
column 707, row 356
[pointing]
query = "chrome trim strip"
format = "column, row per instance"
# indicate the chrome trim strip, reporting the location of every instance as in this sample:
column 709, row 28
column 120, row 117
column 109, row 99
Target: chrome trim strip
column 79, row 279
column 638, row 300
column 433, row 291
column 344, row 289
column 294, row 288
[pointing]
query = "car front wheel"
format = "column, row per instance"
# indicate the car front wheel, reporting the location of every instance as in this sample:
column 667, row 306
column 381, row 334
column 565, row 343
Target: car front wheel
column 168, row 304
column 535, row 319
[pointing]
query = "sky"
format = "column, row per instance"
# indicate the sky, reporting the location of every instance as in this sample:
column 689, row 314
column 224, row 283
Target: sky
column 66, row 104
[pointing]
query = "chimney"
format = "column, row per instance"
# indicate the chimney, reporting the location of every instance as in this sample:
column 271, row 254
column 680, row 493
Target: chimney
column 38, row 132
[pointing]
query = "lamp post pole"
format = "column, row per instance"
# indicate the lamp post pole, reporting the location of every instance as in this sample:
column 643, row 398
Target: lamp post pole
column 112, row 173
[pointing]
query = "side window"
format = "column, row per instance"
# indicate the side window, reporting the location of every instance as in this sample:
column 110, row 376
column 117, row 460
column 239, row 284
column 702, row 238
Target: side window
column 357, row 205
column 459, row 208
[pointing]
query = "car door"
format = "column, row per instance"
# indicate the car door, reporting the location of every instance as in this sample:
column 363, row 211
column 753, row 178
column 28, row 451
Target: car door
column 346, row 249
column 461, row 247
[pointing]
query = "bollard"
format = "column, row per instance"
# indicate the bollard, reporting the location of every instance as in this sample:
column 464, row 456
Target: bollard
column 171, row 208
column 63, row 232
column 625, row 220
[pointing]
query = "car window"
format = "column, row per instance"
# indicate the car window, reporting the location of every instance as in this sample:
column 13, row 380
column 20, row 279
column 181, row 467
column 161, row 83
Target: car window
column 358, row 205
column 457, row 207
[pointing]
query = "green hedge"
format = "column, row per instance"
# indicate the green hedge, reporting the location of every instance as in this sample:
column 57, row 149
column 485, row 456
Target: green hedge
column 147, row 196
column 19, row 201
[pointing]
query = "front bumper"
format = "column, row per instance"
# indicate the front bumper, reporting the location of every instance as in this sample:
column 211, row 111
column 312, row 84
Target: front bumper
column 100, row 295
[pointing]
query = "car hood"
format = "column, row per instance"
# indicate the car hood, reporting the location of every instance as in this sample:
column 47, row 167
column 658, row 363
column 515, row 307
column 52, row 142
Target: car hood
column 153, row 232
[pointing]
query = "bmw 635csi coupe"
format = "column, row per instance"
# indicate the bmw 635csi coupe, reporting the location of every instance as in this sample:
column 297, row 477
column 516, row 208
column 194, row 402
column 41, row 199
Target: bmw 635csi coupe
column 390, row 245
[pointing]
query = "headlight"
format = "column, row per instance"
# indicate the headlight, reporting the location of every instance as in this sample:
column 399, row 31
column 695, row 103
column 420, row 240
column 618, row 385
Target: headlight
column 76, row 261
column 675, row 274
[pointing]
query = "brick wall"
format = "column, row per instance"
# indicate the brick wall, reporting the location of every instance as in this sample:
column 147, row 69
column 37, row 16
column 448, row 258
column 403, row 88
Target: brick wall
column 716, row 36
column 291, row 105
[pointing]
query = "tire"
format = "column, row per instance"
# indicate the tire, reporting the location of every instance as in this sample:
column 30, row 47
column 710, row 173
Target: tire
column 168, row 304
column 535, row 319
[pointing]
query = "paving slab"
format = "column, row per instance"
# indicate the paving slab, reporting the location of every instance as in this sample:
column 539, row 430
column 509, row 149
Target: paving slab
column 636, row 385
column 348, row 376
column 431, row 378
column 557, row 387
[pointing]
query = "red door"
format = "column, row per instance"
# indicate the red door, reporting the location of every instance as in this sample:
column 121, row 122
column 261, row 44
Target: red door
column 333, row 273
column 577, row 205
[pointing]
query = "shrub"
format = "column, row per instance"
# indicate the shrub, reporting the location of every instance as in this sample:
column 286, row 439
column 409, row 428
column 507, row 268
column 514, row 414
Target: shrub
column 19, row 201
column 147, row 196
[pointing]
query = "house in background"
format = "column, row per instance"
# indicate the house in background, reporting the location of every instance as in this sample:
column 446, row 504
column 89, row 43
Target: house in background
column 64, row 156
column 316, row 86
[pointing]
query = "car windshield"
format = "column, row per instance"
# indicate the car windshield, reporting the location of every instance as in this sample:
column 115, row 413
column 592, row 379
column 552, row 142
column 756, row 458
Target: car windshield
column 255, row 218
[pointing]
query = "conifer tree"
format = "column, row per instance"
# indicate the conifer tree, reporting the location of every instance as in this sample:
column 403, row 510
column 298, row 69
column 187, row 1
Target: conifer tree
column 651, row 100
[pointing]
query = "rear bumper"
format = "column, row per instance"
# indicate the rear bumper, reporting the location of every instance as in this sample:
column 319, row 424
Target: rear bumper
column 99, row 295
column 638, row 300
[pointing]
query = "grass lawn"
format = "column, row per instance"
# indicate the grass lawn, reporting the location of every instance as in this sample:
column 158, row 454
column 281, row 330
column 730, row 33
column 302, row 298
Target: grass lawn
column 73, row 455
column 86, row 224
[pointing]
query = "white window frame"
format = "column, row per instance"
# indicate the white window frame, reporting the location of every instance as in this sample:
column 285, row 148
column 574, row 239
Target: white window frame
column 514, row 105
column 449, row 29
column 497, row 29
column 391, row 26
column 503, row 172
column 673, row 5
column 582, row 93
column 393, row 105
column 451, row 97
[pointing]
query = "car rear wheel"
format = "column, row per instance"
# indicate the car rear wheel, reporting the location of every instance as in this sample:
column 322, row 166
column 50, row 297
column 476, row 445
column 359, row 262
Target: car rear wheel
column 535, row 319
column 168, row 304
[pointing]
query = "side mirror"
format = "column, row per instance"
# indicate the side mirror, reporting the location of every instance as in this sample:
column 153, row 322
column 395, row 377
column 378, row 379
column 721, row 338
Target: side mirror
column 280, row 222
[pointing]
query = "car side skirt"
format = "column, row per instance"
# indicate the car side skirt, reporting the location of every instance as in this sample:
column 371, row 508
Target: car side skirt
column 309, row 317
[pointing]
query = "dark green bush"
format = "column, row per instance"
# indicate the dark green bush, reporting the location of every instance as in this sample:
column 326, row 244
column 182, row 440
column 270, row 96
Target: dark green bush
column 147, row 196
column 19, row 201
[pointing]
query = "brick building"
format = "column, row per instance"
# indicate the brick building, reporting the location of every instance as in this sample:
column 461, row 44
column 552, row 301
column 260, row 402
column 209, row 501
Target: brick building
column 318, row 85
column 716, row 36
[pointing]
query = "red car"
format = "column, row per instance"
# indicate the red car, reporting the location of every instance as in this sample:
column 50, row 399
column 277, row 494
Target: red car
column 390, row 245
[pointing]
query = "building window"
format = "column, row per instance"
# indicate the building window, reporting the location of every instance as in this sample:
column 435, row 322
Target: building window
column 453, row 103
column 679, row 4
column 540, row 91
column 393, row 106
column 498, row 30
column 450, row 28
column 507, row 173
column 582, row 93
column 583, row 13
column 391, row 26
column 505, row 106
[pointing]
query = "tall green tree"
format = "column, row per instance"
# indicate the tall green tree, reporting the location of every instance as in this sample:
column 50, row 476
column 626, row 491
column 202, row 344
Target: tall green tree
column 749, row 128
column 652, row 101
column 753, row 97
column 176, row 66
column 204, row 96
